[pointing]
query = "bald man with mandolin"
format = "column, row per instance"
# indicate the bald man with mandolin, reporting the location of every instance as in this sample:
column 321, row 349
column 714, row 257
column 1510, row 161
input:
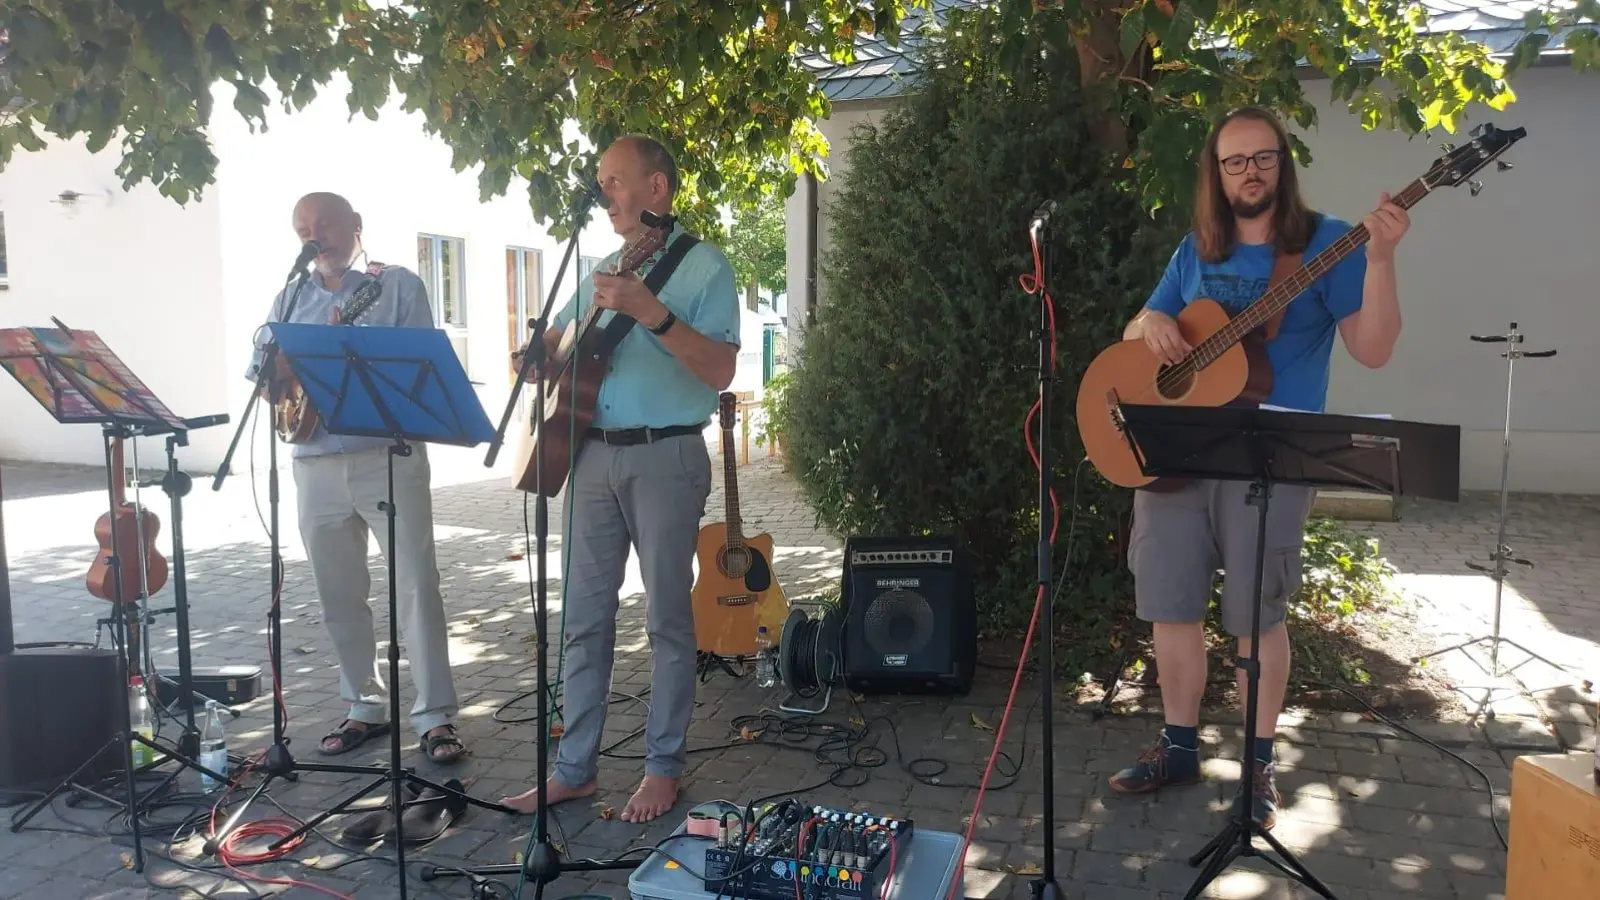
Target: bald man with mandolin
column 341, row 479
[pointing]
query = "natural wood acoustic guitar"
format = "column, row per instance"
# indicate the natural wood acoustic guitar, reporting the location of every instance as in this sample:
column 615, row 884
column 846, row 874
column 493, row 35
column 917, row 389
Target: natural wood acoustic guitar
column 570, row 402
column 1228, row 360
column 735, row 591
column 292, row 413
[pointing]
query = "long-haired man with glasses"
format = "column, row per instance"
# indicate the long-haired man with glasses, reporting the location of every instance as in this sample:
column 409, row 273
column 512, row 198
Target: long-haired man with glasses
column 1249, row 218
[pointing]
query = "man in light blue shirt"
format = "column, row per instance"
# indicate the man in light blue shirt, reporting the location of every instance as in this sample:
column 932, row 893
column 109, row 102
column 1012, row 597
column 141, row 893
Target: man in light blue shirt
column 340, row 482
column 642, row 477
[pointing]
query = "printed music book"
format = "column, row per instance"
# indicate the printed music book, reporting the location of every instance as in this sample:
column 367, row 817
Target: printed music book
column 77, row 379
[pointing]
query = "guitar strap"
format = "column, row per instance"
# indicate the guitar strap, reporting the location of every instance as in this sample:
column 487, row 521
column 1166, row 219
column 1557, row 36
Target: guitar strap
column 1284, row 266
column 618, row 327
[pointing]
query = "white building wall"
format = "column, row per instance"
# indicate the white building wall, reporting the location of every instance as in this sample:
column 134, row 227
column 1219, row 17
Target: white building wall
column 132, row 266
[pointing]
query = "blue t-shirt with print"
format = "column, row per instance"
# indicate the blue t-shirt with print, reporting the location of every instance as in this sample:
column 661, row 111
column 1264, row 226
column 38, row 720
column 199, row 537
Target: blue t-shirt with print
column 1303, row 348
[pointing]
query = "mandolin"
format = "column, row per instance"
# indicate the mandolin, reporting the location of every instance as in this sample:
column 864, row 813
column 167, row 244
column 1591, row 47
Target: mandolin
column 735, row 591
column 1228, row 362
column 570, row 404
column 132, row 537
column 292, row 414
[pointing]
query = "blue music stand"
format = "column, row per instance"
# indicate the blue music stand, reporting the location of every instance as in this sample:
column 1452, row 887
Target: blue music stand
column 405, row 384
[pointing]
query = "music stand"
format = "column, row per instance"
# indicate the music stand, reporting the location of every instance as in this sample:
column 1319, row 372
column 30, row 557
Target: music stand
column 1267, row 448
column 405, row 384
column 79, row 380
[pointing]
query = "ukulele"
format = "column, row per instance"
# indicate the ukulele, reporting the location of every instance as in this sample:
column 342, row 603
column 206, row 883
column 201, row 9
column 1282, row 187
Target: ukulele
column 734, row 592
column 292, row 414
column 132, row 533
column 1228, row 362
column 569, row 407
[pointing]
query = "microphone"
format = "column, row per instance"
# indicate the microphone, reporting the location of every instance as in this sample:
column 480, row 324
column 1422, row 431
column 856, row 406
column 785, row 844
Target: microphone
column 1041, row 216
column 592, row 188
column 307, row 253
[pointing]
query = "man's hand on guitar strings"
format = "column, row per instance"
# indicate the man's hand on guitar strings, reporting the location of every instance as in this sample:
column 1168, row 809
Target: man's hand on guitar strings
column 627, row 295
column 1386, row 225
column 1161, row 334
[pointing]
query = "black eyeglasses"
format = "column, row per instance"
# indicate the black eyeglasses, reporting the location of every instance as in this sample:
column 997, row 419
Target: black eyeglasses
column 1264, row 159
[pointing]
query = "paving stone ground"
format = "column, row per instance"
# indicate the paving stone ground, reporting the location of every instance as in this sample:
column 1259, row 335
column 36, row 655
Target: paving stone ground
column 1373, row 814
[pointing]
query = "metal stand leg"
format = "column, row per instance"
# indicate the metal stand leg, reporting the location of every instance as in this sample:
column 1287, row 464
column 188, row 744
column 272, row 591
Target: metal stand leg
column 1502, row 555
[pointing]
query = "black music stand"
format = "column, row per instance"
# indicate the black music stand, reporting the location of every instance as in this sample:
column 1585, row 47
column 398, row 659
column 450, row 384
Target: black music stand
column 1267, row 448
column 405, row 384
column 79, row 380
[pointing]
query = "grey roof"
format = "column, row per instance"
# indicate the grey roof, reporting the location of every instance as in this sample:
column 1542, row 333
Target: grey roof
column 880, row 71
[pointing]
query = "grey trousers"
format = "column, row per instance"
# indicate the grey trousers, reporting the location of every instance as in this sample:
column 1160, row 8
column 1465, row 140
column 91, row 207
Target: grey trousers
column 338, row 505
column 1180, row 537
column 651, row 496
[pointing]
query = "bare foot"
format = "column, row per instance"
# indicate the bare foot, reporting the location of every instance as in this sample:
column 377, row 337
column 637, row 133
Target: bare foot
column 653, row 798
column 554, row 792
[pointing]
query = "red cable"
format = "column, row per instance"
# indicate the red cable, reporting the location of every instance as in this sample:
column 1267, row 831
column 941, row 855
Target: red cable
column 1033, row 283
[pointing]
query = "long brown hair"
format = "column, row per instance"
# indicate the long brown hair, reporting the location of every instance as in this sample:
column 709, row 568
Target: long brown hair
column 1215, row 231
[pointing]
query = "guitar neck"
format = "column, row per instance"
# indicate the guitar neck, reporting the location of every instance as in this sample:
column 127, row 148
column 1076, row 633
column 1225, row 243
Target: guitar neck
column 730, row 475
column 1283, row 293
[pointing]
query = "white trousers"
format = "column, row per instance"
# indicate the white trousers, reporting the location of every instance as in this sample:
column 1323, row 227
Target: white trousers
column 339, row 497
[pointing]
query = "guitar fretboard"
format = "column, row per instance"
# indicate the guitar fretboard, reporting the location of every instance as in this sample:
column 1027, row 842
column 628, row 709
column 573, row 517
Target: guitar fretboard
column 730, row 475
column 1283, row 293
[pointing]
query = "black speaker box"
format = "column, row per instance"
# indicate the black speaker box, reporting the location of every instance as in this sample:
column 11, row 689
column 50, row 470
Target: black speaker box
column 58, row 708
column 910, row 626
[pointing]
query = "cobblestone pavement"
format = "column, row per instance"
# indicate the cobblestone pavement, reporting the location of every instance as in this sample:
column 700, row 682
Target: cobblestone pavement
column 1370, row 813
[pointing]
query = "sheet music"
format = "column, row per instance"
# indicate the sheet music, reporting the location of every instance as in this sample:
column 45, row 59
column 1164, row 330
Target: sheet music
column 1269, row 407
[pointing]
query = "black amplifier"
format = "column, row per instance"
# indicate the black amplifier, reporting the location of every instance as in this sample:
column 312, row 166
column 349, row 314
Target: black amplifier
column 832, row 854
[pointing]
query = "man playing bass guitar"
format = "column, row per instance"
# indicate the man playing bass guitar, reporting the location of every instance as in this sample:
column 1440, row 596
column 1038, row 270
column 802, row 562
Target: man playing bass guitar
column 642, row 478
column 1248, row 214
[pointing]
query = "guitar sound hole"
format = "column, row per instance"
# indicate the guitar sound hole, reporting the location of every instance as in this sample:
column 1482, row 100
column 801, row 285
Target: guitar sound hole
column 1173, row 383
column 735, row 562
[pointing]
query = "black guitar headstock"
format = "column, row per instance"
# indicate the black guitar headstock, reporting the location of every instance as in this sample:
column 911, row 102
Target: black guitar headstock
column 1459, row 164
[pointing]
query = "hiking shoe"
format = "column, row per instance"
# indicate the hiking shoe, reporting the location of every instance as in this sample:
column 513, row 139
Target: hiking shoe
column 1164, row 765
column 1264, row 809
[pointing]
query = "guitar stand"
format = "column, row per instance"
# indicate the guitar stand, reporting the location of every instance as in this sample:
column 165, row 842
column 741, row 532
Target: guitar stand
column 1502, row 555
column 708, row 662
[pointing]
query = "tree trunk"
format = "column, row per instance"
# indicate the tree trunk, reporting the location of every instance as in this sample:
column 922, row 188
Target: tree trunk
column 752, row 296
column 1099, row 64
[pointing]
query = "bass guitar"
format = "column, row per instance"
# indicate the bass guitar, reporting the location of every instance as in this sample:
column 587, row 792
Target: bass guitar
column 581, row 359
column 292, row 414
column 735, row 592
column 1228, row 362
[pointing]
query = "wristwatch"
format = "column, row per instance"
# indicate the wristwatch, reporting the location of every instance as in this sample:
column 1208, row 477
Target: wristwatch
column 666, row 323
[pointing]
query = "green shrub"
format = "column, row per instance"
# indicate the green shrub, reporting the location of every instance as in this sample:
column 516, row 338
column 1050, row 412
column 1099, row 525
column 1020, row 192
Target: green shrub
column 905, row 411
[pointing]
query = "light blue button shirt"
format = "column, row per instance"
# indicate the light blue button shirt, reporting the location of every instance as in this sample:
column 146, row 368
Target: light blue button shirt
column 404, row 302
column 646, row 385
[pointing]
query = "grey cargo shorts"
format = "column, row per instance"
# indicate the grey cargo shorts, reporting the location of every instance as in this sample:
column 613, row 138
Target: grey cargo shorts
column 1181, row 537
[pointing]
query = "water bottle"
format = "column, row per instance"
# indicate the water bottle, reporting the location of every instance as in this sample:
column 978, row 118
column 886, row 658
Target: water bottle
column 766, row 672
column 139, row 720
column 213, row 748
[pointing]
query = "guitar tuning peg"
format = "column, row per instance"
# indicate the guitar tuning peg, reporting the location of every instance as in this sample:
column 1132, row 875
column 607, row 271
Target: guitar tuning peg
column 1475, row 187
column 1503, row 166
column 1447, row 147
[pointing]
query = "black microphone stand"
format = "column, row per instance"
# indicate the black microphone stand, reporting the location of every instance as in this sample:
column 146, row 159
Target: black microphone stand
column 542, row 864
column 1045, row 886
column 278, row 763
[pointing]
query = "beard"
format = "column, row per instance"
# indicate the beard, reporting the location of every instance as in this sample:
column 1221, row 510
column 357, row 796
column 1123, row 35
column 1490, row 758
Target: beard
column 1250, row 209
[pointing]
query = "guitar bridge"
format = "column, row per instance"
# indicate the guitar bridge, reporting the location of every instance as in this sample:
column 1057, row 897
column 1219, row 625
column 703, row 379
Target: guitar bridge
column 736, row 600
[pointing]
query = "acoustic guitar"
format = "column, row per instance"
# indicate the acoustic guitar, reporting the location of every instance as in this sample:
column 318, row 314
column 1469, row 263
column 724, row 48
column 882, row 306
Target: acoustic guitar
column 131, row 535
column 1228, row 362
column 735, row 591
column 292, row 414
column 570, row 401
